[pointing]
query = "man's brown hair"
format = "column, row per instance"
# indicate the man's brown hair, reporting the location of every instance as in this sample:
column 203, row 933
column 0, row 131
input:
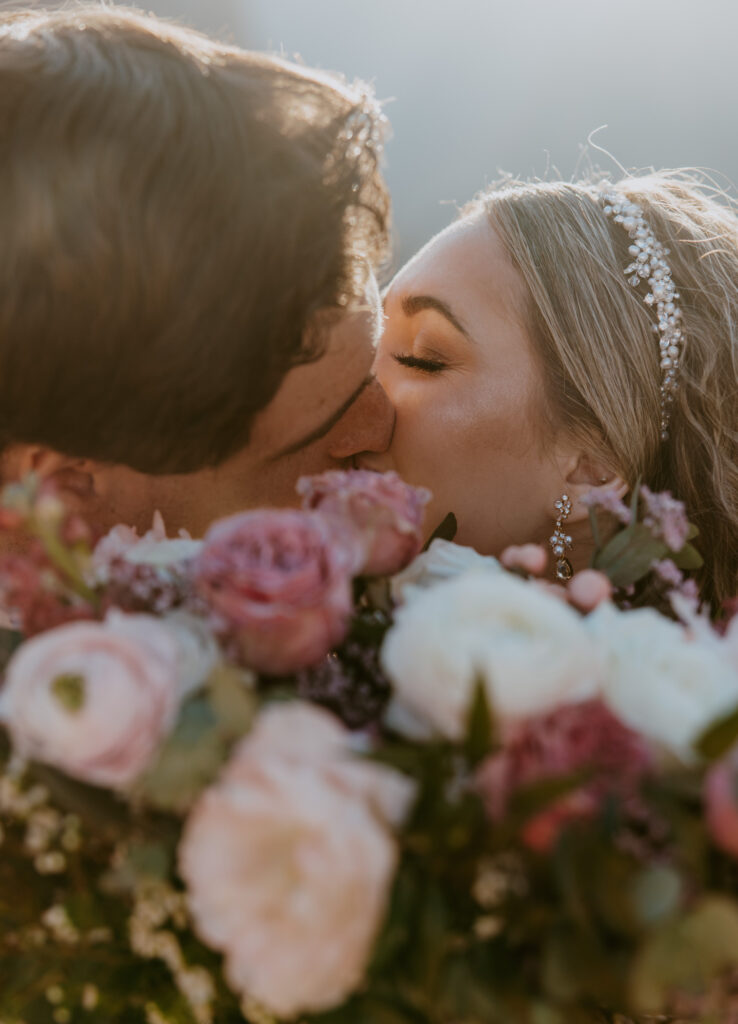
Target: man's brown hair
column 174, row 213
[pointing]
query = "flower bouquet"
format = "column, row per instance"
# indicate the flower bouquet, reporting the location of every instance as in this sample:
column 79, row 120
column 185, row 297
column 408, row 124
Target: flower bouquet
column 264, row 777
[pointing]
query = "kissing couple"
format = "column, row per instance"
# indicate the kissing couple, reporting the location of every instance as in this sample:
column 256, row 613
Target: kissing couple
column 190, row 319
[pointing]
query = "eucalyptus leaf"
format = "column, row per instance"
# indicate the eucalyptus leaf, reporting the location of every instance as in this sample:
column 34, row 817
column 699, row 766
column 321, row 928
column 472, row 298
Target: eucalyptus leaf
column 688, row 558
column 233, row 700
column 188, row 761
column 628, row 557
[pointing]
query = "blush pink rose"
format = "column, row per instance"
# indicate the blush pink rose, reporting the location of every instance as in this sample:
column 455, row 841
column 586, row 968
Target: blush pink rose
column 386, row 513
column 289, row 861
column 93, row 699
column 721, row 804
column 278, row 583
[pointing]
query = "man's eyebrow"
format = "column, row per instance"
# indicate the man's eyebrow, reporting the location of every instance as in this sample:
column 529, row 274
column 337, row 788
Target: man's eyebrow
column 413, row 304
column 327, row 424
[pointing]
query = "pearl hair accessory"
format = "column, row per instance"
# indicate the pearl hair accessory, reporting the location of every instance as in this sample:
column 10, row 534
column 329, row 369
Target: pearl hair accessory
column 649, row 264
column 560, row 541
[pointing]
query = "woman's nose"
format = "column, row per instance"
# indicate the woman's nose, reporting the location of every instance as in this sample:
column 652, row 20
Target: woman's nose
column 366, row 427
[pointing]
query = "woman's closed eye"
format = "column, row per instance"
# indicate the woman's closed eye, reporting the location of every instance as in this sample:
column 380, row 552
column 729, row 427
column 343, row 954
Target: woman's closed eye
column 419, row 363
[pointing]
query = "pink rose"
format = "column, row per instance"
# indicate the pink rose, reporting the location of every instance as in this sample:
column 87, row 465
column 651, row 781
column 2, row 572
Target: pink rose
column 289, row 861
column 94, row 699
column 386, row 512
column 574, row 737
column 278, row 583
column 721, row 806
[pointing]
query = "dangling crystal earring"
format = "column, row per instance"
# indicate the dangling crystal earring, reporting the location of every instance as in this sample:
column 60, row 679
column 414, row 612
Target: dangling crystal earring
column 560, row 541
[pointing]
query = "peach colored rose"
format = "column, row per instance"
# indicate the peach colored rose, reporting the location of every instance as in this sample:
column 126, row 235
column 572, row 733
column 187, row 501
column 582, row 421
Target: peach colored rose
column 302, row 734
column 94, row 699
column 288, row 861
column 278, row 583
column 386, row 512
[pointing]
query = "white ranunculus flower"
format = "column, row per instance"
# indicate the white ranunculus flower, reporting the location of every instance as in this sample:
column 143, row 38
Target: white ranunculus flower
column 662, row 679
column 289, row 860
column 443, row 560
column 530, row 649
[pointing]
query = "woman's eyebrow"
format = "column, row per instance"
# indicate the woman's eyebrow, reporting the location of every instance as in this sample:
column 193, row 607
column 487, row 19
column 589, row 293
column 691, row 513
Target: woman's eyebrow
column 413, row 304
column 323, row 428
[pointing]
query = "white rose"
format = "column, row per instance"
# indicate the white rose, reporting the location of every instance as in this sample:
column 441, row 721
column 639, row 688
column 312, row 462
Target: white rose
column 288, row 862
column 529, row 649
column 442, row 561
column 94, row 699
column 666, row 682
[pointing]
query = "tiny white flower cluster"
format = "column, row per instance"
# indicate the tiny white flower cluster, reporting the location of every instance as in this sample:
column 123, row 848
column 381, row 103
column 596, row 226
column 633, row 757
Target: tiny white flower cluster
column 649, row 264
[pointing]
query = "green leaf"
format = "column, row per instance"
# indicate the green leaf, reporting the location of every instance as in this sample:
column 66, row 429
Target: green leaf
column 628, row 557
column 446, row 530
column 688, row 558
column 540, row 795
column 686, row 955
column 480, row 725
column 188, row 761
column 719, row 737
column 233, row 700
column 577, row 966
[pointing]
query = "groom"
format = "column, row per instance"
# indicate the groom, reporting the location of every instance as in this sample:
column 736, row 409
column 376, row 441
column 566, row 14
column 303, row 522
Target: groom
column 187, row 297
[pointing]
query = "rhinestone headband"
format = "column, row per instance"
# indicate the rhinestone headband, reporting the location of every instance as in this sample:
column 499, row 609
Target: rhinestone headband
column 649, row 264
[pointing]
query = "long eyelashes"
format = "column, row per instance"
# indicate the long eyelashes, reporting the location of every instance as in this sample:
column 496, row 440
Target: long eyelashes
column 416, row 363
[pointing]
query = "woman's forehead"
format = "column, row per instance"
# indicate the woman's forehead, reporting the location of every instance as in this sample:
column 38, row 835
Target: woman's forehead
column 464, row 265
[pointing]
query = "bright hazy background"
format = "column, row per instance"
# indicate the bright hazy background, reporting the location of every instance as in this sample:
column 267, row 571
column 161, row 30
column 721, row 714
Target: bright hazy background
column 475, row 87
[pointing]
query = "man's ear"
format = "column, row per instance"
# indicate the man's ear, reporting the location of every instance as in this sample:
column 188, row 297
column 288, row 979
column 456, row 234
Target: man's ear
column 591, row 472
column 74, row 477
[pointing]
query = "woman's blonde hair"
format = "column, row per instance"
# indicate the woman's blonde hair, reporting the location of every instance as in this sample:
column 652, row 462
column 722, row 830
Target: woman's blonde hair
column 600, row 355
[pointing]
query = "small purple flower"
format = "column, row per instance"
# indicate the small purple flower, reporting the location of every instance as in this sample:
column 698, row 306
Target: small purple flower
column 608, row 501
column 349, row 682
column 666, row 518
column 667, row 572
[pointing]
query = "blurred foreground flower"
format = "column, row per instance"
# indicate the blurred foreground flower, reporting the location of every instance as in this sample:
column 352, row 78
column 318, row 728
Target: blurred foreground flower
column 530, row 650
column 149, row 573
column 660, row 678
column 721, row 802
column 584, row 737
column 386, row 513
column 278, row 583
column 289, row 860
column 94, row 699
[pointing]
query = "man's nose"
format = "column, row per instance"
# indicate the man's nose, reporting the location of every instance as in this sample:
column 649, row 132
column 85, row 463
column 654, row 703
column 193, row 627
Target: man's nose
column 366, row 427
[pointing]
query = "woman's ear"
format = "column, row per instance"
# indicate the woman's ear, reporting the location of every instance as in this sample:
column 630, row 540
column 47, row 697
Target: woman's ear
column 591, row 473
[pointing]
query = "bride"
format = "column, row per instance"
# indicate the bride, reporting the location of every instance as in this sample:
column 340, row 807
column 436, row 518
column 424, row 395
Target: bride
column 561, row 338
